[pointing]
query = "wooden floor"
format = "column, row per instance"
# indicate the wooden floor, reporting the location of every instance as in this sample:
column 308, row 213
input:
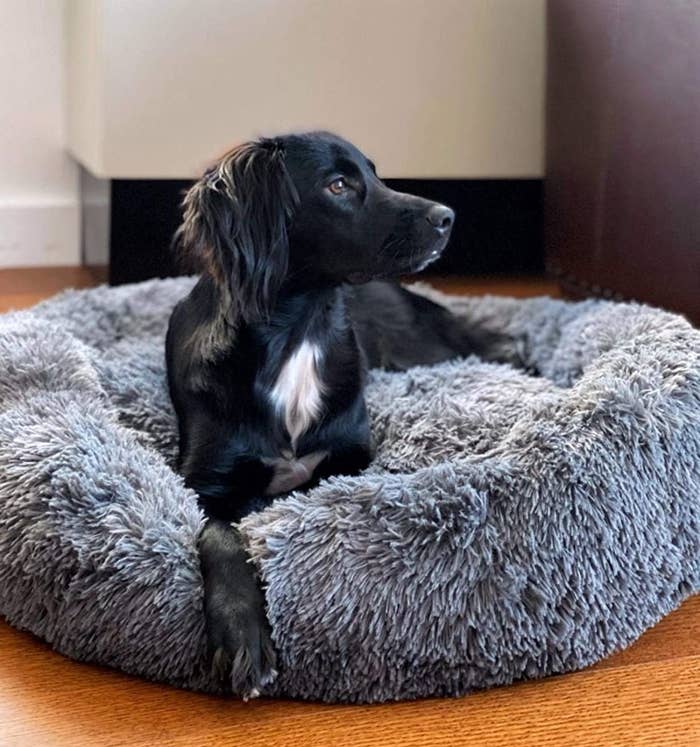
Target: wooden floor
column 646, row 695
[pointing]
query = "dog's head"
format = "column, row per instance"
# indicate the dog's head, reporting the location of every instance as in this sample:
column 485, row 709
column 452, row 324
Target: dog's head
column 306, row 211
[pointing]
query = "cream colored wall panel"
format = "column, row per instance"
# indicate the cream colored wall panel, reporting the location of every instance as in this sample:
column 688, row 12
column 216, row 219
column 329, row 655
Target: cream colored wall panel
column 33, row 163
column 39, row 215
column 84, row 61
column 440, row 88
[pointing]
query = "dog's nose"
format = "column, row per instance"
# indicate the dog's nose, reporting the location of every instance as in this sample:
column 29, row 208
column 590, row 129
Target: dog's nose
column 441, row 217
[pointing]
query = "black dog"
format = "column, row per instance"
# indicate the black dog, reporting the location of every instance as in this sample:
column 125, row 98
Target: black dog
column 266, row 356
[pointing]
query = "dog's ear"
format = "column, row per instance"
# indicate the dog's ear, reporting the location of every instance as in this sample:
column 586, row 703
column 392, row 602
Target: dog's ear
column 234, row 226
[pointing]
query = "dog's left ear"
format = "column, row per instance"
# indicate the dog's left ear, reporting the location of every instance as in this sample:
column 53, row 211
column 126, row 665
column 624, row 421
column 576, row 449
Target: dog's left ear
column 235, row 221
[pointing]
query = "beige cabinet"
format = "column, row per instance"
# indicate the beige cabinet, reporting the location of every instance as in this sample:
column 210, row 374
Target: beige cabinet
column 430, row 88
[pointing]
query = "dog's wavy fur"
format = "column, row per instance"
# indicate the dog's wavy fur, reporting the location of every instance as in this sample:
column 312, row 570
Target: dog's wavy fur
column 266, row 356
column 234, row 226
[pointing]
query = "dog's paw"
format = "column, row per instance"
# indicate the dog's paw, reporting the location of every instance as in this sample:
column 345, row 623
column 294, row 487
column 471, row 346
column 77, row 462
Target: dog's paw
column 241, row 648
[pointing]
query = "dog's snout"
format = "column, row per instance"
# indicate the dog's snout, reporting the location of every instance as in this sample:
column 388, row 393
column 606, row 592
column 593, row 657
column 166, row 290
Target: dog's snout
column 441, row 217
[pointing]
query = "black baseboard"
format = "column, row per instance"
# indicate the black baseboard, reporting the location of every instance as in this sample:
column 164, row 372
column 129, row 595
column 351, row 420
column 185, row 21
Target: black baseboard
column 498, row 228
column 499, row 225
column 144, row 216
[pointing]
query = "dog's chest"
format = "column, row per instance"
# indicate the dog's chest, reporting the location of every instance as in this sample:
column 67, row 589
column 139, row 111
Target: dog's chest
column 297, row 393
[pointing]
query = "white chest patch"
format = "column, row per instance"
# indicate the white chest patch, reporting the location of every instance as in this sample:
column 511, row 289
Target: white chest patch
column 298, row 391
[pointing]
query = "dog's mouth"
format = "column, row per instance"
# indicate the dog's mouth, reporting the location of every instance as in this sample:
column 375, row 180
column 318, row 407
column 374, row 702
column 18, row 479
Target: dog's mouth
column 409, row 267
column 420, row 262
column 432, row 256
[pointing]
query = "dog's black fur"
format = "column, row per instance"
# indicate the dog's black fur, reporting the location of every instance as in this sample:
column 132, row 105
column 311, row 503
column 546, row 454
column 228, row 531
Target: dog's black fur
column 293, row 234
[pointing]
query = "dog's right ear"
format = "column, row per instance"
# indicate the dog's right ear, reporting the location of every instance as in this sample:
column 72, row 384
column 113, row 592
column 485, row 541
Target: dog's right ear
column 234, row 225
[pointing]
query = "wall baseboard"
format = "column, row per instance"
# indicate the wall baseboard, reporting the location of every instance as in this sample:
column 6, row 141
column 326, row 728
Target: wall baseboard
column 42, row 233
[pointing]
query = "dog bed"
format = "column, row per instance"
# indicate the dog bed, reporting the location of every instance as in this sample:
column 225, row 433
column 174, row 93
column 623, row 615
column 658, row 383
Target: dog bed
column 520, row 519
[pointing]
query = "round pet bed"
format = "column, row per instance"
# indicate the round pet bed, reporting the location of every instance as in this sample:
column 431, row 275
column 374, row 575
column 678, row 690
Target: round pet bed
column 519, row 520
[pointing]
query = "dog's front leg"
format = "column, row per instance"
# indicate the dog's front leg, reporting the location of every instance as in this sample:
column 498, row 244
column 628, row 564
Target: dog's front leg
column 238, row 633
column 234, row 607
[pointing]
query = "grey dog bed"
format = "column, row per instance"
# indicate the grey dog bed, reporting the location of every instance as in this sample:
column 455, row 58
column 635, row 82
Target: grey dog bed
column 518, row 520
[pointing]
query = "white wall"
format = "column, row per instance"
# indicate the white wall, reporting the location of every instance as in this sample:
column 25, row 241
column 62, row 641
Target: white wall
column 429, row 88
column 39, row 210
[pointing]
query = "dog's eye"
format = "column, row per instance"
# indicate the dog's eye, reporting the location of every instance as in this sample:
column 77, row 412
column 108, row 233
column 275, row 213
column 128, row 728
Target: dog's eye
column 338, row 186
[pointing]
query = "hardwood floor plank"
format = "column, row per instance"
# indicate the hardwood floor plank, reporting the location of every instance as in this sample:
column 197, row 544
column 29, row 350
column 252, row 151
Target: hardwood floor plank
column 677, row 635
column 518, row 287
column 20, row 288
column 48, row 280
column 47, row 700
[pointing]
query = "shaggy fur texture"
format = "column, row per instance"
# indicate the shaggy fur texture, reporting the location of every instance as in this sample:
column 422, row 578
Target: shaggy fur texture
column 515, row 522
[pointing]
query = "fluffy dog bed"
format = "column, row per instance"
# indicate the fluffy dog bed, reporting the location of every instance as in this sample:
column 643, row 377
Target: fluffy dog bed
column 517, row 521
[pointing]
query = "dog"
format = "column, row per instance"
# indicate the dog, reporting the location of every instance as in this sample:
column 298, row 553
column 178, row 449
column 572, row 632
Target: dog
column 299, row 243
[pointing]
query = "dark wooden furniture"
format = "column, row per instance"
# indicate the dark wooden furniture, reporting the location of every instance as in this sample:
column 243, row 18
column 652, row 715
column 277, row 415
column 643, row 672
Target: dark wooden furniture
column 622, row 188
